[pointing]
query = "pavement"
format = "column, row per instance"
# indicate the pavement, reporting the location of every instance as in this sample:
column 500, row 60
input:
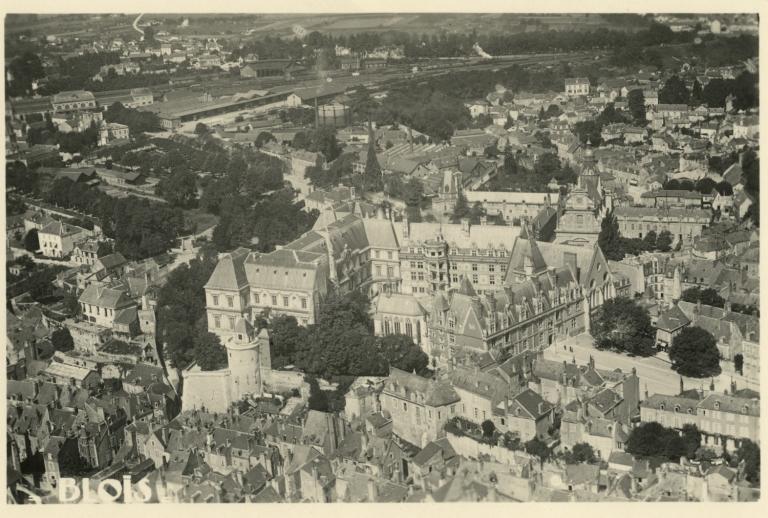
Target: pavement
column 655, row 372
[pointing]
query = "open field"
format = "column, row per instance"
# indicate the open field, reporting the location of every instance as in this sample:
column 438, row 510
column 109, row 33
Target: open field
column 231, row 25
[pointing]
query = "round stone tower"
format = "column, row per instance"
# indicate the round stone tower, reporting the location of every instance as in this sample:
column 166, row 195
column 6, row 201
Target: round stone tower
column 243, row 361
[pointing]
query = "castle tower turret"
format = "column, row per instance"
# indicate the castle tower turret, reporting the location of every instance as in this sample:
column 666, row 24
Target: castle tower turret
column 243, row 360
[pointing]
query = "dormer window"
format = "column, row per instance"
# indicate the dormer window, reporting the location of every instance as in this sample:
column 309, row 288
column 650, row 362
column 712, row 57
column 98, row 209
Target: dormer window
column 717, row 405
column 677, row 408
column 661, row 406
column 745, row 409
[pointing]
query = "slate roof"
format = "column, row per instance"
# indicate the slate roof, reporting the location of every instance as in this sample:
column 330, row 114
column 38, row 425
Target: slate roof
column 532, row 403
column 143, row 374
column 687, row 405
column 605, row 400
column 481, row 384
column 399, row 304
column 111, row 261
column 432, row 448
column 105, row 297
column 126, row 316
column 526, row 251
column 60, row 229
column 480, row 236
column 433, row 393
column 229, row 273
column 285, row 270
column 61, row 370
column 380, row 233
column 735, row 405
column 622, row 458
column 672, row 319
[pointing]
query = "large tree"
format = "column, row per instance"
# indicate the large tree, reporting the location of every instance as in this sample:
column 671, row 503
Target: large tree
column 652, row 439
column 31, row 241
column 581, row 452
column 62, row 340
column 207, row 351
column 745, row 90
column 674, row 91
column 372, row 168
column 636, row 105
column 694, row 353
column 179, row 188
column 697, row 93
column 715, row 93
column 620, row 324
column 609, row 239
column 538, row 448
column 180, row 308
column 21, row 72
column 402, row 353
column 287, row 338
column 707, row 296
column 749, row 453
column 664, row 241
column 692, row 439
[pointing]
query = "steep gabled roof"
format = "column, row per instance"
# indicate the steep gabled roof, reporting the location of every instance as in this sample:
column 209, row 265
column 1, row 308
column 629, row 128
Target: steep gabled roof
column 105, row 297
column 526, row 252
column 229, row 273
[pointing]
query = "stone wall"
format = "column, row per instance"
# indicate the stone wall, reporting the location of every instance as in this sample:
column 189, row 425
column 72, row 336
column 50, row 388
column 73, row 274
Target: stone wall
column 209, row 390
column 468, row 447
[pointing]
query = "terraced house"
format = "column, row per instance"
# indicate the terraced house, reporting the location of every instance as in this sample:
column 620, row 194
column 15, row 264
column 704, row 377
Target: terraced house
column 723, row 419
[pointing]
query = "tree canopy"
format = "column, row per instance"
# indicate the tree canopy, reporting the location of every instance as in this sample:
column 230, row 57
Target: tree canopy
column 674, row 91
column 707, row 296
column 136, row 120
column 400, row 352
column 181, row 317
column 749, row 453
column 636, row 104
column 342, row 342
column 620, row 324
column 694, row 353
column 581, row 452
column 62, row 340
column 652, row 439
column 31, row 241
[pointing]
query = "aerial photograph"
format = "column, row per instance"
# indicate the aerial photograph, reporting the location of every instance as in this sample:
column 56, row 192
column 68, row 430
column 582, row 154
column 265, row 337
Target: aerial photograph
column 382, row 257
